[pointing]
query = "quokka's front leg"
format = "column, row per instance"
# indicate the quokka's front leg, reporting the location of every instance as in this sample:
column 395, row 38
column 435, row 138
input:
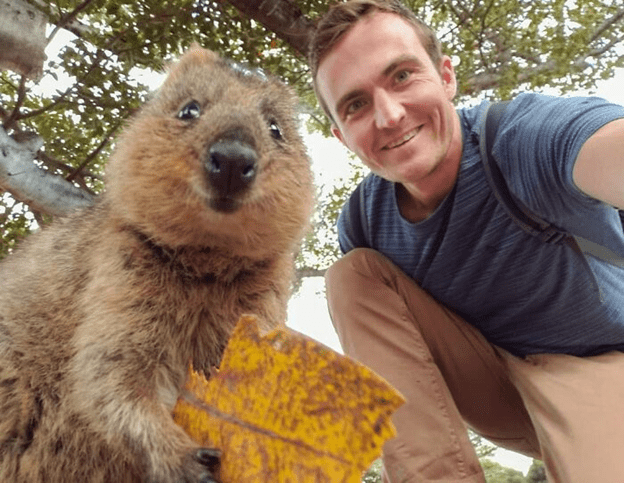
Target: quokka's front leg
column 127, row 395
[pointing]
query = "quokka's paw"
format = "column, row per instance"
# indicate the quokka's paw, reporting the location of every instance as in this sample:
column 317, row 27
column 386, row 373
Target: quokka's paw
column 203, row 466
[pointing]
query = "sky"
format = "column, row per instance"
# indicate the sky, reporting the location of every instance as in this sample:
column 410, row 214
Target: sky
column 308, row 310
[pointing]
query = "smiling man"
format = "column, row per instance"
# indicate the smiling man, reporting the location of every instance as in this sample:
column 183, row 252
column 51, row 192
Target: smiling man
column 476, row 319
column 392, row 107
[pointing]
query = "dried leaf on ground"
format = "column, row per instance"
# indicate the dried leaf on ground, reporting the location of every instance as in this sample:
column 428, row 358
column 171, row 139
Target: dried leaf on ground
column 284, row 408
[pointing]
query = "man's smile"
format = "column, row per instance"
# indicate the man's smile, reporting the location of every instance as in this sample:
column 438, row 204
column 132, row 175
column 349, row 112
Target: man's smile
column 403, row 139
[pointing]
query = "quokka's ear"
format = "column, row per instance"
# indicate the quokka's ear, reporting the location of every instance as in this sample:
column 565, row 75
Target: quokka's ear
column 198, row 52
column 194, row 55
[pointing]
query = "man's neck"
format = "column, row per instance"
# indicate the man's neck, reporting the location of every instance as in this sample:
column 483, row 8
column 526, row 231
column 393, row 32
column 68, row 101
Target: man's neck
column 412, row 209
column 418, row 201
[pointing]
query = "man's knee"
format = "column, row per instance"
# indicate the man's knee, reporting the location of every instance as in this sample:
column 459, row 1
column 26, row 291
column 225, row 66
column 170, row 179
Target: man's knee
column 351, row 266
column 350, row 281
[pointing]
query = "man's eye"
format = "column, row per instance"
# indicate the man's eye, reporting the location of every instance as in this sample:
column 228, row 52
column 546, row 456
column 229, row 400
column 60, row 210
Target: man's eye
column 354, row 106
column 402, row 75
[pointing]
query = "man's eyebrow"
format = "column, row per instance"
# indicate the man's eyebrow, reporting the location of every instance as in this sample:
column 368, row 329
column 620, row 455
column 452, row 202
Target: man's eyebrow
column 401, row 60
column 385, row 73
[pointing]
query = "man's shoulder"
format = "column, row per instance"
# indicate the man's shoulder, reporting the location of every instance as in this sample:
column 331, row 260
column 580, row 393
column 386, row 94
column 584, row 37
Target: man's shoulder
column 371, row 186
column 529, row 104
column 371, row 196
column 530, row 109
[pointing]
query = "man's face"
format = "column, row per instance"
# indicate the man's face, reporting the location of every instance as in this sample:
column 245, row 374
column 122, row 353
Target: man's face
column 392, row 107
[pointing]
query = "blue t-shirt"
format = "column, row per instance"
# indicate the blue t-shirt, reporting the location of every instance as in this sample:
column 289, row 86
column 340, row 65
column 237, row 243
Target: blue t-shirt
column 524, row 295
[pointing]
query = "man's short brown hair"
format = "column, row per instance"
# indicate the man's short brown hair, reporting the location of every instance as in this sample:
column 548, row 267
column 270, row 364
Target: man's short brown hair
column 342, row 16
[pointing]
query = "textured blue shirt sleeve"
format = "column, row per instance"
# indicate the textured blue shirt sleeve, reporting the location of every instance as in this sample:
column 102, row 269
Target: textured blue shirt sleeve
column 536, row 148
column 353, row 221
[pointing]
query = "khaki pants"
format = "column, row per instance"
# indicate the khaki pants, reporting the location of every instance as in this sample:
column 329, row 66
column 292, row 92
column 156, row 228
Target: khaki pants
column 566, row 410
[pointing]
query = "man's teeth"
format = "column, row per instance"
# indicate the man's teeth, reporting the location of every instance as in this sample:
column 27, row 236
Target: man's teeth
column 404, row 139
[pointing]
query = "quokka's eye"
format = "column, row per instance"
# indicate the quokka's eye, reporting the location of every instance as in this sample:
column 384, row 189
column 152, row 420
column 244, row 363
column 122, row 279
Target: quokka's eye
column 192, row 110
column 276, row 133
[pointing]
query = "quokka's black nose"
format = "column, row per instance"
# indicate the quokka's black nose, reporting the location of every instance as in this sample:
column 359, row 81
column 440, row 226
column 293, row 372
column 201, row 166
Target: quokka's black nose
column 231, row 166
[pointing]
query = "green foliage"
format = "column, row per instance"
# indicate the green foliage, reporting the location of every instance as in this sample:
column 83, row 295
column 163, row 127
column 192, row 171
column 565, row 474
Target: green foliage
column 91, row 87
column 496, row 473
column 493, row 472
column 531, row 44
column 483, row 447
column 14, row 224
column 320, row 248
column 373, row 475
column 536, row 473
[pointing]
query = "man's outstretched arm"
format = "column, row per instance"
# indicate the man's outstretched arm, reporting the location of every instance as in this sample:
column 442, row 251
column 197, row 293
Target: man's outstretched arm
column 599, row 168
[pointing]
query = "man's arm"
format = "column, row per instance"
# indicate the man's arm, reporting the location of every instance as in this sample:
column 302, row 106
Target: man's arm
column 599, row 168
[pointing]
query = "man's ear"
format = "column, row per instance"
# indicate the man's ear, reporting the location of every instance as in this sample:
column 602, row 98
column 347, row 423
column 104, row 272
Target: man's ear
column 336, row 132
column 447, row 72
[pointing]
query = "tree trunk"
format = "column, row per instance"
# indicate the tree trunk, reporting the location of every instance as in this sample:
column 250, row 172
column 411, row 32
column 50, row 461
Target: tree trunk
column 22, row 38
column 282, row 17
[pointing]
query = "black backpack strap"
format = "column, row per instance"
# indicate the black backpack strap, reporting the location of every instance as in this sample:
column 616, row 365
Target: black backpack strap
column 527, row 220
column 599, row 251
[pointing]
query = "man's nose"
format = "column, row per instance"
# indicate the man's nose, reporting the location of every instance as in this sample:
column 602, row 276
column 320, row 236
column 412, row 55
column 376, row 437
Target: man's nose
column 388, row 110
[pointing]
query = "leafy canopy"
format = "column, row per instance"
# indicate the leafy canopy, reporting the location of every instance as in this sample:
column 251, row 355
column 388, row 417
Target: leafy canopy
column 91, row 85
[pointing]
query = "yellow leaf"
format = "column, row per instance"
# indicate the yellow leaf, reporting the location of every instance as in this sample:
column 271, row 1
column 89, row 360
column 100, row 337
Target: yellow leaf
column 286, row 409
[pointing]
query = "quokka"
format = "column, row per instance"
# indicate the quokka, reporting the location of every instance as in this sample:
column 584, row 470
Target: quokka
column 208, row 195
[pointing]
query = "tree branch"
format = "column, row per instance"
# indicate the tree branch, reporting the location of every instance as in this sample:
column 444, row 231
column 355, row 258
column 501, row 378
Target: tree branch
column 95, row 152
column 34, row 186
column 65, row 20
column 98, row 57
column 488, row 80
column 71, row 25
column 282, row 17
column 619, row 15
column 21, row 95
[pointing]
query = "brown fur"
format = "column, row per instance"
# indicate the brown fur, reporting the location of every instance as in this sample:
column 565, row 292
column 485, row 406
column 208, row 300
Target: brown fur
column 102, row 312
